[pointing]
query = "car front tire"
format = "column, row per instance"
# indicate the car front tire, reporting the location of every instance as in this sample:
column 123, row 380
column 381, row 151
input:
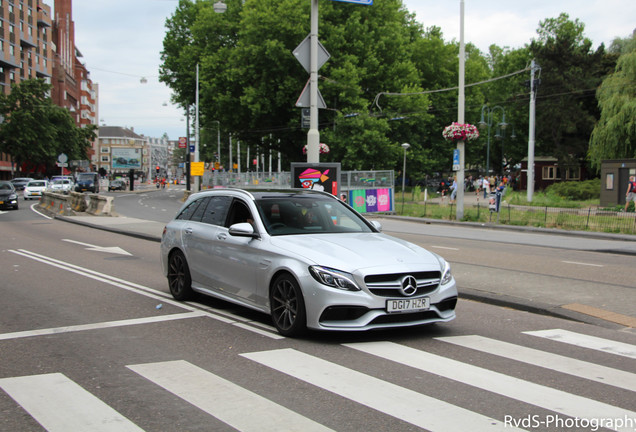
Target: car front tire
column 179, row 279
column 287, row 306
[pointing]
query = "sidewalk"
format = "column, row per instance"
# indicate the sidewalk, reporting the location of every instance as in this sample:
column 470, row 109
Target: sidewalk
column 563, row 303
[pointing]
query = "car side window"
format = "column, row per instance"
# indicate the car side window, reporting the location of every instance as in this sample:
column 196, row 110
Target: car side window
column 198, row 213
column 187, row 212
column 216, row 210
column 239, row 212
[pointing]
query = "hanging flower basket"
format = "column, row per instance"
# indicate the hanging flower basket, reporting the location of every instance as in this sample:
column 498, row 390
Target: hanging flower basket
column 460, row 132
column 323, row 149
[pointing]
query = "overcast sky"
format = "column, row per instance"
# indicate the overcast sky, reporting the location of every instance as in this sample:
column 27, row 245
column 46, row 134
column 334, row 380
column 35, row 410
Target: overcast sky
column 121, row 41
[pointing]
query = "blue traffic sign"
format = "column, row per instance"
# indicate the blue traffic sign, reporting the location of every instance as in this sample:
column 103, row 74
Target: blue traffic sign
column 362, row 2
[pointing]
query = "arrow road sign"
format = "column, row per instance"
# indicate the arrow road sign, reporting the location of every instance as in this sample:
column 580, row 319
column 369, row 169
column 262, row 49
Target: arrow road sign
column 112, row 249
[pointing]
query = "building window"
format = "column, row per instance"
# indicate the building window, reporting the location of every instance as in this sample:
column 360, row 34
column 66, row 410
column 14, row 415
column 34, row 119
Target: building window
column 105, row 150
column 550, row 173
column 609, row 181
column 105, row 159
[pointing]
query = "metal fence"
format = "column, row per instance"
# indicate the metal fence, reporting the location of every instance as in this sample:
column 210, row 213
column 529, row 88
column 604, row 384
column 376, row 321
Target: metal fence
column 279, row 180
column 589, row 219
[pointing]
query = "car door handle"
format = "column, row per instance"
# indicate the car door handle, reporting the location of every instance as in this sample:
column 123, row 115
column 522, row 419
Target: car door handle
column 221, row 236
column 188, row 230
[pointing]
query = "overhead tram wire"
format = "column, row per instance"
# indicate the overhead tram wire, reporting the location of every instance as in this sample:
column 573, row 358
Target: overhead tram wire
column 377, row 97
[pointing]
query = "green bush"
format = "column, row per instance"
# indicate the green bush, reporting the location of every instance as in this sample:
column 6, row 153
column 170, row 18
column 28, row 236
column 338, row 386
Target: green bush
column 576, row 191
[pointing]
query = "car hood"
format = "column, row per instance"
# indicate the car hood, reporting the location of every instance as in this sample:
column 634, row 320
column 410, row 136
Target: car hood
column 351, row 252
column 5, row 193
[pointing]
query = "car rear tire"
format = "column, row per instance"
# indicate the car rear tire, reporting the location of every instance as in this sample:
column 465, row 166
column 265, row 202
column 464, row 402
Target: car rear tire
column 179, row 279
column 287, row 306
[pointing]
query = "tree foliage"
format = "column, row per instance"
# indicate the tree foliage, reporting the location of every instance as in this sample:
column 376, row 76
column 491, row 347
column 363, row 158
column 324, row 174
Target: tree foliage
column 566, row 109
column 614, row 136
column 35, row 130
column 388, row 81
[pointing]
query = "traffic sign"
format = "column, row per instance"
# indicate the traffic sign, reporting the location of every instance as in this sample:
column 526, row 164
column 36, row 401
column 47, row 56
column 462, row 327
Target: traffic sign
column 303, row 54
column 183, row 142
column 456, row 160
column 362, row 2
column 197, row 168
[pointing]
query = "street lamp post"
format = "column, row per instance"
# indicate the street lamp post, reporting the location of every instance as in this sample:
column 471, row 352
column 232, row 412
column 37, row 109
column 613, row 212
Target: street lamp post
column 405, row 146
column 483, row 123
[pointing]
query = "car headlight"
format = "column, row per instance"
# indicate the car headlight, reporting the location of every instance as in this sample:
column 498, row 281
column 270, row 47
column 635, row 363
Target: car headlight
column 334, row 278
column 13, row 196
column 446, row 274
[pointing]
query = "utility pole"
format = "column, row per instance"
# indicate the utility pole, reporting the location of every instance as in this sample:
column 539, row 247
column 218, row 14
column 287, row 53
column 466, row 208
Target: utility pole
column 531, row 128
column 459, row 214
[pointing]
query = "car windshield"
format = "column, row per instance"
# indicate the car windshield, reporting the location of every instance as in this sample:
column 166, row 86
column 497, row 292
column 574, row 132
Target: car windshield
column 36, row 184
column 61, row 182
column 287, row 215
column 5, row 186
column 85, row 177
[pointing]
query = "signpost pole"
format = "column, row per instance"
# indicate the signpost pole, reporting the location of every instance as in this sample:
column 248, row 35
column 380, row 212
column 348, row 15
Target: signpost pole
column 313, row 136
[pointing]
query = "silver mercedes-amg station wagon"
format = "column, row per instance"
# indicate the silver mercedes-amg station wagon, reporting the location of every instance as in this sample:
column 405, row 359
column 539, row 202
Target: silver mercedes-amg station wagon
column 304, row 257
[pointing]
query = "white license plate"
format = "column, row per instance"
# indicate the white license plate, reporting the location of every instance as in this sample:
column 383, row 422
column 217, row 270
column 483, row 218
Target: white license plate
column 408, row 305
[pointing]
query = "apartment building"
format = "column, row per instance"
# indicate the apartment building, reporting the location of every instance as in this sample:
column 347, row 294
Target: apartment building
column 120, row 150
column 26, row 49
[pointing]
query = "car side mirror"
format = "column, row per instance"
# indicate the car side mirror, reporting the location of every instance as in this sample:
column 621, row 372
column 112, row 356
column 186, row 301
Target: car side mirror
column 243, row 229
column 377, row 225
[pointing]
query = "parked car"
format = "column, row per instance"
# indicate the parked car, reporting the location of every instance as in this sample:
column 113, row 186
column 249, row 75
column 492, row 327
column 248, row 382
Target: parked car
column 34, row 189
column 8, row 196
column 20, row 182
column 62, row 185
column 304, row 257
column 87, row 182
column 117, row 185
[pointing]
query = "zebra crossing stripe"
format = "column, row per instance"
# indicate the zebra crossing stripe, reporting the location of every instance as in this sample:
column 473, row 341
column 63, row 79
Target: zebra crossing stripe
column 415, row 408
column 230, row 403
column 60, row 405
column 585, row 341
column 566, row 365
column 515, row 388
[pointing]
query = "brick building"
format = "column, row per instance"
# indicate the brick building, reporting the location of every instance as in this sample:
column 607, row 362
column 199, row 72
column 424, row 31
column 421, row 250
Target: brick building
column 26, row 49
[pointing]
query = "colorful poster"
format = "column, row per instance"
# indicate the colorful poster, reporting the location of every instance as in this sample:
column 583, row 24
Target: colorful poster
column 358, row 200
column 318, row 176
column 384, row 200
column 372, row 200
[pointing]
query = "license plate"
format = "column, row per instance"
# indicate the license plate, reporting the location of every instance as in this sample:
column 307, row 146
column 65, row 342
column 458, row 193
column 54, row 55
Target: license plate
column 1, row 202
column 408, row 305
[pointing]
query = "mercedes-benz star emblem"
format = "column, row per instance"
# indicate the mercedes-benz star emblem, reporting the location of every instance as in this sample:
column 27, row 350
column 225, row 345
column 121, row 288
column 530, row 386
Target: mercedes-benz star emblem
column 408, row 286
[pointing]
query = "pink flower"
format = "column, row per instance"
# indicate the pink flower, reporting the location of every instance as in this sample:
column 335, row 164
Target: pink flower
column 460, row 132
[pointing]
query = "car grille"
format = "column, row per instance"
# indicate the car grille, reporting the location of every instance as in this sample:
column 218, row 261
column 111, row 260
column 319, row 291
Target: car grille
column 388, row 285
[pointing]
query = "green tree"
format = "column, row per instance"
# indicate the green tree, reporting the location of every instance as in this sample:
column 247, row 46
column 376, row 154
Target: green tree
column 249, row 78
column 35, row 130
column 614, row 136
column 566, row 109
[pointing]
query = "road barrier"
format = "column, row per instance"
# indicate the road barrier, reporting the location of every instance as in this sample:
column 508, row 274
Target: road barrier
column 73, row 203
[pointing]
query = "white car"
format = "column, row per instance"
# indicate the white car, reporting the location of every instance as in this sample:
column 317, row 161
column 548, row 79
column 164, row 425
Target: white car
column 63, row 185
column 304, row 257
column 34, row 189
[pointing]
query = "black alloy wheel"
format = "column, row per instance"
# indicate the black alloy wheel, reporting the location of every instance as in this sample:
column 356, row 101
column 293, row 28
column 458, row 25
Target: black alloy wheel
column 179, row 279
column 288, row 306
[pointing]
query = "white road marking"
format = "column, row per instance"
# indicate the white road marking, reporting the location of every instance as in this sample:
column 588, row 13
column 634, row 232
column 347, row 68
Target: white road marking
column 585, row 341
column 60, row 405
column 230, row 403
column 515, row 388
column 138, row 289
column 111, row 249
column 559, row 363
column 101, row 325
column 444, row 247
column 583, row 264
column 415, row 408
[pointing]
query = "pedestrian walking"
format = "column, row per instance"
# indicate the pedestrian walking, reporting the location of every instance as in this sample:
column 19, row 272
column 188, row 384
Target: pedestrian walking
column 631, row 193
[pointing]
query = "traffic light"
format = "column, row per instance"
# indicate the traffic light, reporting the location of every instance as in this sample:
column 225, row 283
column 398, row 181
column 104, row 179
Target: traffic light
column 157, row 169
